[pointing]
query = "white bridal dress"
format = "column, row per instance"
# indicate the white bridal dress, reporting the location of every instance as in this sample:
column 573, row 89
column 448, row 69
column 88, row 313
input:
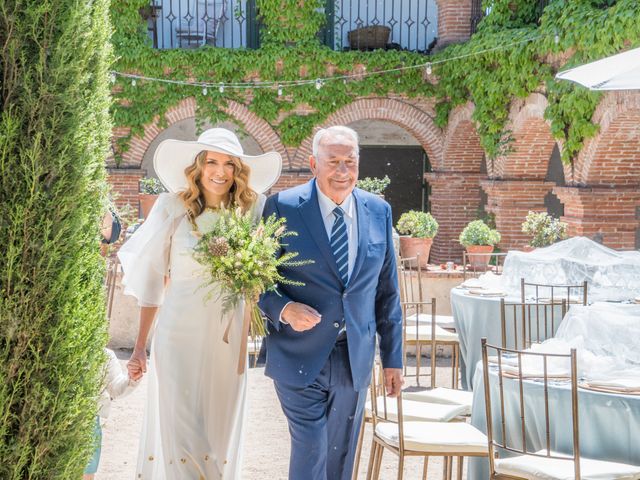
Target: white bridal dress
column 193, row 420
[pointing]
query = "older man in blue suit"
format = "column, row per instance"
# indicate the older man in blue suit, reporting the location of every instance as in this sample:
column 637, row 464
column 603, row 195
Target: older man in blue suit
column 321, row 344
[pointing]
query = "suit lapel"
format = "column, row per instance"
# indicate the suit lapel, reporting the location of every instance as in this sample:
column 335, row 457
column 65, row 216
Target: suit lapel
column 309, row 210
column 363, row 232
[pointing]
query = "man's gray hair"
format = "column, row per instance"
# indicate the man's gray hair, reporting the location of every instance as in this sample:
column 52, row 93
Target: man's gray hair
column 336, row 130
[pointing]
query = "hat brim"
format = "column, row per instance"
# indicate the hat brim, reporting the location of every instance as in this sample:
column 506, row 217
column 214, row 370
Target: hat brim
column 173, row 156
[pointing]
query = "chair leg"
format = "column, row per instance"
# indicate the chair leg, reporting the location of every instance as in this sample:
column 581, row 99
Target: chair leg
column 460, row 467
column 372, row 460
column 400, row 467
column 356, row 465
column 376, row 474
column 425, row 468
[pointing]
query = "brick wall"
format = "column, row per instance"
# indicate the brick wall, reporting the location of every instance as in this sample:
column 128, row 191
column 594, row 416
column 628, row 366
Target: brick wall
column 454, row 21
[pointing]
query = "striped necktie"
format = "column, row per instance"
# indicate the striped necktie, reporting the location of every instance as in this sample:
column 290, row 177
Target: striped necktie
column 340, row 244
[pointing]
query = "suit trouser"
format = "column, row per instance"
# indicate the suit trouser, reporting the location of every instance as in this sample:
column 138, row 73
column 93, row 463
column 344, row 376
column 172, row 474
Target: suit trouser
column 324, row 421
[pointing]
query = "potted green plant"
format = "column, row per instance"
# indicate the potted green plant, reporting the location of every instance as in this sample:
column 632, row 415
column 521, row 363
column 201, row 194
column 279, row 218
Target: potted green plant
column 479, row 240
column 374, row 185
column 150, row 188
column 417, row 230
column 543, row 229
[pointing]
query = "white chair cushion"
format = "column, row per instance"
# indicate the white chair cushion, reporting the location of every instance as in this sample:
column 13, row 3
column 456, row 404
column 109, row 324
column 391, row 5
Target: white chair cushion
column 447, row 396
column 424, row 334
column 439, row 438
column 541, row 468
column 443, row 321
column 416, row 411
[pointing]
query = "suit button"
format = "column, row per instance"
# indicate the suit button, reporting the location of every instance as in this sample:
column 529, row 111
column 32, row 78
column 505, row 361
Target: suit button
column 336, row 324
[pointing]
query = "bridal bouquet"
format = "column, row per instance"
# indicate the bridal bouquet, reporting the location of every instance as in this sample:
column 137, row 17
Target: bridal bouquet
column 241, row 260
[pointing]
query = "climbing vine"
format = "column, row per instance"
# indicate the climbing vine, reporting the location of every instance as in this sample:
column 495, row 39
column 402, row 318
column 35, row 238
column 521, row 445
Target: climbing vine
column 574, row 31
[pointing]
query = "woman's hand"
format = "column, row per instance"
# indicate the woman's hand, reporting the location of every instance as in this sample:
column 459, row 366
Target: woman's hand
column 137, row 365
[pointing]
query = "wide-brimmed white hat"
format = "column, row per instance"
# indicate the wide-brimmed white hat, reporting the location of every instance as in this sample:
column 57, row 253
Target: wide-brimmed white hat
column 173, row 156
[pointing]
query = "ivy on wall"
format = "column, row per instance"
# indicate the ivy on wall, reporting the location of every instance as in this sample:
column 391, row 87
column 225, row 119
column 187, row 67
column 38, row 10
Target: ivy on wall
column 585, row 29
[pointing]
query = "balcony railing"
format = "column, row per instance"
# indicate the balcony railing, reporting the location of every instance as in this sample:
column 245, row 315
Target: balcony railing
column 363, row 24
column 196, row 23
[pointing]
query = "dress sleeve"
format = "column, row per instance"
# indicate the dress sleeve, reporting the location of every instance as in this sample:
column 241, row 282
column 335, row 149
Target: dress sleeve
column 145, row 256
column 258, row 207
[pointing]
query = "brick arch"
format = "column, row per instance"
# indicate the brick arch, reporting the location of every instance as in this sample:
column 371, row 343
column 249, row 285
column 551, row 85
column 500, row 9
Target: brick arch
column 611, row 157
column 258, row 128
column 462, row 151
column 413, row 119
column 533, row 142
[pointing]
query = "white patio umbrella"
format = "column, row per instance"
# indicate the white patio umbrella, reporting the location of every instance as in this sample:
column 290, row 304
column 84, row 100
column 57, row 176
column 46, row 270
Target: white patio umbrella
column 618, row 72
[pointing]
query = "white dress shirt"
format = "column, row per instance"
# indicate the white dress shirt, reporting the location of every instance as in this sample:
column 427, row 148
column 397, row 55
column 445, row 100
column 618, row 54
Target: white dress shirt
column 327, row 206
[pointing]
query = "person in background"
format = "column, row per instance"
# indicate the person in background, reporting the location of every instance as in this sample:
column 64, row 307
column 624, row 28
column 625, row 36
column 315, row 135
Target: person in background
column 117, row 383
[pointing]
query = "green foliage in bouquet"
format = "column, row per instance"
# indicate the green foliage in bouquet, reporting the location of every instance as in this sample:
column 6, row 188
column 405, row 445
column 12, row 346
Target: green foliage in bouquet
column 544, row 229
column 242, row 259
column 374, row 185
column 151, row 186
column 417, row 224
column 478, row 233
column 55, row 134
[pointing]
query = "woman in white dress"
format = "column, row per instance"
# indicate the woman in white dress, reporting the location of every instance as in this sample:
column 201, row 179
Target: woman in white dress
column 193, row 421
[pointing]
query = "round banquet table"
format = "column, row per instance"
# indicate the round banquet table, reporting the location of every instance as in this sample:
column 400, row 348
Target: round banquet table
column 476, row 317
column 608, row 422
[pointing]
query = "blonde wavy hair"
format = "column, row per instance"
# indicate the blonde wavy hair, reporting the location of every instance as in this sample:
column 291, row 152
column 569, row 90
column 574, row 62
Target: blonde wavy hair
column 240, row 194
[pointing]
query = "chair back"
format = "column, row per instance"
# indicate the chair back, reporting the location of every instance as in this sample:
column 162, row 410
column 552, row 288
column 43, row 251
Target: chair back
column 523, row 324
column 410, row 276
column 475, row 264
column 546, row 292
column 380, row 404
column 507, row 366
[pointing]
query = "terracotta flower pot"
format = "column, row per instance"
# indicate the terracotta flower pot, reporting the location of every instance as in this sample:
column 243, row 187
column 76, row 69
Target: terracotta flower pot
column 146, row 203
column 412, row 247
column 479, row 262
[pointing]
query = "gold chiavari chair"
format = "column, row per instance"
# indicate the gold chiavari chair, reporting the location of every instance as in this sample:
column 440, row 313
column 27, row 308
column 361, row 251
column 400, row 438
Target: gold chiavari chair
column 541, row 292
column 525, row 323
column 475, row 264
column 420, row 322
column 393, row 432
column 518, row 462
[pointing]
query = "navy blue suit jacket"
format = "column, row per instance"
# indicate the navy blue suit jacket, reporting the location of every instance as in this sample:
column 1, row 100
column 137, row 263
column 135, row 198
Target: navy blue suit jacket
column 369, row 303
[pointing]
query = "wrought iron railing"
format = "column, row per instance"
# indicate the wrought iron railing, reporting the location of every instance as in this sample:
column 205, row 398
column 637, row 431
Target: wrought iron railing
column 390, row 24
column 196, row 23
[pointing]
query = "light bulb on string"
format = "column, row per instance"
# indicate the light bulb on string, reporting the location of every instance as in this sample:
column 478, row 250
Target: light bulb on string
column 204, row 91
column 279, row 90
column 318, row 84
column 112, row 77
column 556, row 38
column 221, row 88
column 133, row 82
column 428, row 68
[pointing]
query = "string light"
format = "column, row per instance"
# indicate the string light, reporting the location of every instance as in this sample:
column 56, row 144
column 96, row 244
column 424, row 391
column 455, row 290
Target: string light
column 556, row 38
column 319, row 82
column 204, row 91
column 112, row 77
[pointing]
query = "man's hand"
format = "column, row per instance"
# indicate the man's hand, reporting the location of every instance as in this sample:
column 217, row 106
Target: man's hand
column 393, row 381
column 300, row 317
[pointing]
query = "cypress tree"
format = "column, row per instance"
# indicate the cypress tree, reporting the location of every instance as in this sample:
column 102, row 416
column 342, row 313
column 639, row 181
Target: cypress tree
column 54, row 138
